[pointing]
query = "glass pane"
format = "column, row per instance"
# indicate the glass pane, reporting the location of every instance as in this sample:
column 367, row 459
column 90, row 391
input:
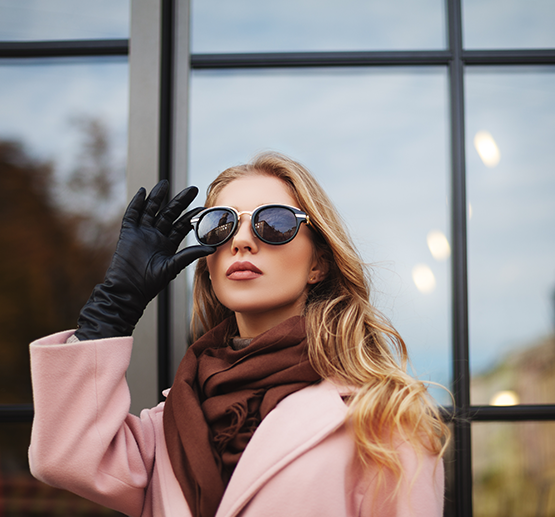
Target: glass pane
column 511, row 242
column 38, row 20
column 63, row 139
column 498, row 24
column 310, row 25
column 22, row 494
column 377, row 141
column 513, row 466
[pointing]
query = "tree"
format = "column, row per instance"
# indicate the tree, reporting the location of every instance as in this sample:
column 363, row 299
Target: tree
column 51, row 257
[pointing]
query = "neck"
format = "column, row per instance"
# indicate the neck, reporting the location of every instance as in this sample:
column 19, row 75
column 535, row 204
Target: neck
column 251, row 325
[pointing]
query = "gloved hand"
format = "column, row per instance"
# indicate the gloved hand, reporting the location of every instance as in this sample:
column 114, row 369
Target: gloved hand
column 144, row 263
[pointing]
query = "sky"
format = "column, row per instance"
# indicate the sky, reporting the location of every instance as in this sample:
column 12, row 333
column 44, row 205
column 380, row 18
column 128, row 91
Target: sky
column 289, row 25
column 293, row 25
column 377, row 139
column 22, row 20
column 40, row 97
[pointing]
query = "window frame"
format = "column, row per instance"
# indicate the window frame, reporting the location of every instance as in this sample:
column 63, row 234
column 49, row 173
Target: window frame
column 160, row 36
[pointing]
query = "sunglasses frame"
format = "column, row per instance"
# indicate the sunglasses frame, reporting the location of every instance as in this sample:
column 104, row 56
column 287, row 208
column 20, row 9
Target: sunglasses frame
column 300, row 217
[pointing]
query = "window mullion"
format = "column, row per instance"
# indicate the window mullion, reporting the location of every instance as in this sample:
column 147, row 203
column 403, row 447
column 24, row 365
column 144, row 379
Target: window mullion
column 461, row 370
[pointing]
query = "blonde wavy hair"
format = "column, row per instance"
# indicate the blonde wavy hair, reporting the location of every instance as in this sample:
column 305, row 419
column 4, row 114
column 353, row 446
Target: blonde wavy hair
column 348, row 339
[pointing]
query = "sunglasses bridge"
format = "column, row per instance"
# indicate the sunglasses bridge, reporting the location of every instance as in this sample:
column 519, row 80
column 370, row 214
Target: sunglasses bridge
column 303, row 217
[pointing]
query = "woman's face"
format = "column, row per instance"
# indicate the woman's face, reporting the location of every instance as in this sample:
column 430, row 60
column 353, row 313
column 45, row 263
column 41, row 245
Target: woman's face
column 262, row 283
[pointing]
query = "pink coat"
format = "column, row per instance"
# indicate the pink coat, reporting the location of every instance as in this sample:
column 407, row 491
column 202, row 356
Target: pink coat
column 300, row 462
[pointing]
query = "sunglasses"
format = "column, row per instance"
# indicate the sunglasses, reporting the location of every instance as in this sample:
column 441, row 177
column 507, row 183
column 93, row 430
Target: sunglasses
column 272, row 224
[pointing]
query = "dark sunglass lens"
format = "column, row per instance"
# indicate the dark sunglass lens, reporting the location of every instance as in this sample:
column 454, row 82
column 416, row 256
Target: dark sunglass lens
column 215, row 227
column 275, row 224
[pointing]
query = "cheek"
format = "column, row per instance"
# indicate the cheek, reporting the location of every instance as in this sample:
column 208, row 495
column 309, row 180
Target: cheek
column 213, row 263
column 298, row 260
column 210, row 263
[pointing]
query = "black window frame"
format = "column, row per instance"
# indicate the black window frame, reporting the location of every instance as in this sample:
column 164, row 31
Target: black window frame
column 456, row 60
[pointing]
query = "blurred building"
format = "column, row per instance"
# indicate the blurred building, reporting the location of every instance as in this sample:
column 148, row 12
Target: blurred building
column 514, row 463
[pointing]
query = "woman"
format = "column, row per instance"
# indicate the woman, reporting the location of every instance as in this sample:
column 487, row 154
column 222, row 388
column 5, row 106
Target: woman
column 290, row 403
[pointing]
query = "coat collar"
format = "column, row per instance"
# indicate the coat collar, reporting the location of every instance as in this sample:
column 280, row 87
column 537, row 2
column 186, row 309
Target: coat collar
column 297, row 424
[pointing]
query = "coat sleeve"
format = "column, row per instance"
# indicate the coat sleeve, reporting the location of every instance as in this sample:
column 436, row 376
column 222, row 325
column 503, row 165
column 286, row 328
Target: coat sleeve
column 420, row 492
column 83, row 437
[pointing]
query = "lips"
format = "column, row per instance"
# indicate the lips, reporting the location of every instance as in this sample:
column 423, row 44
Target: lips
column 243, row 271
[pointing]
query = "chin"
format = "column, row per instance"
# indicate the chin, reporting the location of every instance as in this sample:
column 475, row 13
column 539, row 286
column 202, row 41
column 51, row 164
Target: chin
column 258, row 301
column 248, row 308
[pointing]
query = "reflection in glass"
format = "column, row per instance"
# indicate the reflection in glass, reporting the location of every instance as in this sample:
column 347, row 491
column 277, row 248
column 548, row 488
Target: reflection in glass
column 40, row 20
column 423, row 278
column 23, row 495
column 513, row 469
column 504, row 398
column 511, row 242
column 377, row 141
column 487, row 148
column 62, row 188
column 439, row 245
column 498, row 24
column 310, row 25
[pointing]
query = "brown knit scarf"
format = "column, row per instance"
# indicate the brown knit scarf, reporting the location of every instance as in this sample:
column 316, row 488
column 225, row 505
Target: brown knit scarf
column 219, row 398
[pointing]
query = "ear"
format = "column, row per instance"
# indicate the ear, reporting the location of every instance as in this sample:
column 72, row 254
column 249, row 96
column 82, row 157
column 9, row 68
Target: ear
column 319, row 269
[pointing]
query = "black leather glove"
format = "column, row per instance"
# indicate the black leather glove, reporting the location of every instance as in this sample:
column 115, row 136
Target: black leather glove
column 144, row 263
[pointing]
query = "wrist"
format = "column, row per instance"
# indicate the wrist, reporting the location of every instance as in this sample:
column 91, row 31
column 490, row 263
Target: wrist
column 110, row 312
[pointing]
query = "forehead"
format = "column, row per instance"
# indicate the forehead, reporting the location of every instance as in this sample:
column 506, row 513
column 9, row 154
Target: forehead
column 249, row 192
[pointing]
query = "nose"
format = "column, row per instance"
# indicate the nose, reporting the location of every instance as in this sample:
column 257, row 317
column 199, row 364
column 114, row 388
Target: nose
column 244, row 239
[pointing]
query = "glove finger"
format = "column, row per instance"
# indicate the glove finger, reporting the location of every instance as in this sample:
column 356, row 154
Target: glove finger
column 134, row 209
column 174, row 208
column 183, row 226
column 154, row 201
column 182, row 259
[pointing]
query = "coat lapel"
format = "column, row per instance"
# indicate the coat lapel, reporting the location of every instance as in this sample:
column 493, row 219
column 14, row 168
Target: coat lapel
column 297, row 424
